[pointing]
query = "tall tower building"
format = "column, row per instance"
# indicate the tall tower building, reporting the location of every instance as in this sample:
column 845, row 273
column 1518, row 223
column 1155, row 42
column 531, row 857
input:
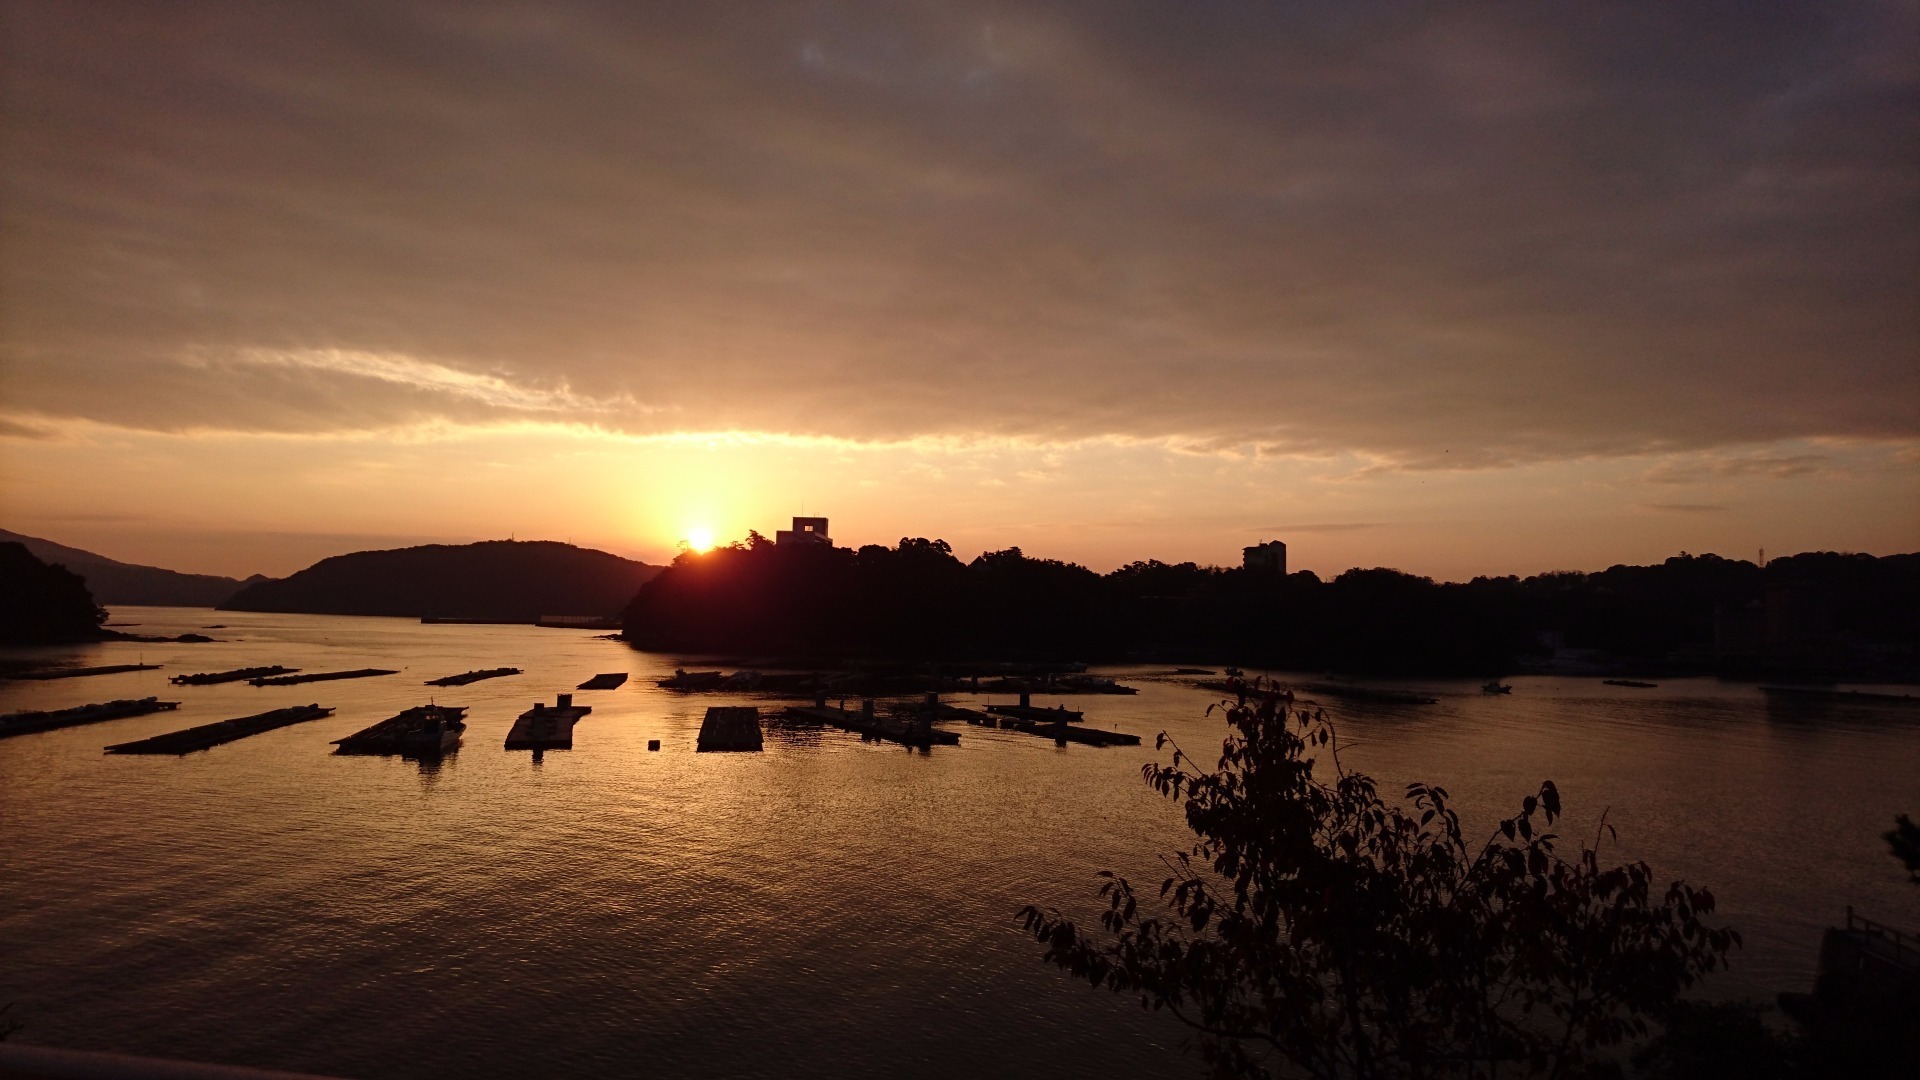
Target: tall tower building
column 1267, row 558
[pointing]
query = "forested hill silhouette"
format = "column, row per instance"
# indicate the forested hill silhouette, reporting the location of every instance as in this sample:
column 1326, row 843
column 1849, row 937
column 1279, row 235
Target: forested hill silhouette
column 114, row 582
column 1812, row 612
column 495, row 579
column 45, row 605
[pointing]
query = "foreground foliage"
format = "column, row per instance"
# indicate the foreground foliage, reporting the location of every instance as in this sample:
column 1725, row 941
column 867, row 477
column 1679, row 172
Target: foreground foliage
column 1314, row 926
column 1904, row 839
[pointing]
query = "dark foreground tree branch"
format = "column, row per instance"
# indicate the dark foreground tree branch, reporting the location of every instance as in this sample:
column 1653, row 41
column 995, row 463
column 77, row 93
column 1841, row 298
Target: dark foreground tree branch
column 1904, row 839
column 1315, row 928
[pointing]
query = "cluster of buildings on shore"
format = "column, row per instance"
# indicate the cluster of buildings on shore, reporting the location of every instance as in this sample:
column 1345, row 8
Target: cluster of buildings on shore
column 1266, row 558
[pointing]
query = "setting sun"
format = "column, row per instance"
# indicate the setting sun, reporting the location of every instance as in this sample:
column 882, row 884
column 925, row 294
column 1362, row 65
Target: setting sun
column 700, row 537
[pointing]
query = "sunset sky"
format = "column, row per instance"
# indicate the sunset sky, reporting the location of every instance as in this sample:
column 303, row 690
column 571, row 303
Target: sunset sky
column 1458, row 289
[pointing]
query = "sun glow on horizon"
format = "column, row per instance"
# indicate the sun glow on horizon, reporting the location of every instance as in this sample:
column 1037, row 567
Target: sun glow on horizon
column 700, row 537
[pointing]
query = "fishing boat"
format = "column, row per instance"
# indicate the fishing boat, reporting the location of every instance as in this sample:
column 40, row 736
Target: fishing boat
column 692, row 680
column 422, row 731
column 1496, row 687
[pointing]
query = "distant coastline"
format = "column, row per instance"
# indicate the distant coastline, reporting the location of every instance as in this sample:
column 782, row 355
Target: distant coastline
column 111, row 581
column 1813, row 616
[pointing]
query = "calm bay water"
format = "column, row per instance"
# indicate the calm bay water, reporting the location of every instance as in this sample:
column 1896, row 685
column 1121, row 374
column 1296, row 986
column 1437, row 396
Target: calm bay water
column 826, row 908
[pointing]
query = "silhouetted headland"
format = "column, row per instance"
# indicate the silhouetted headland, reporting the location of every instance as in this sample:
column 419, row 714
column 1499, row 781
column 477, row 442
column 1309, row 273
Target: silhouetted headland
column 45, row 605
column 494, row 580
column 1813, row 615
column 51, row 605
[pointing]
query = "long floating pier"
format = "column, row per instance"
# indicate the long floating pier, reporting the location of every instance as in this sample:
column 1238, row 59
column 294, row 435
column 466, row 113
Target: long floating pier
column 1059, row 724
column 422, row 731
column 1024, row 711
column 608, row 681
column 23, row 723
column 225, row 731
column 209, row 678
column 1063, row 732
column 544, row 728
column 80, row 672
column 321, row 676
column 916, row 732
column 473, row 676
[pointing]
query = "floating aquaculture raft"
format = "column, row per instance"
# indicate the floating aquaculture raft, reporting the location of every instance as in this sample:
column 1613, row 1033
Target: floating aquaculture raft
column 730, row 728
column 208, row 678
column 22, row 723
column 79, row 672
column 225, row 731
column 473, row 676
column 321, row 676
column 547, row 727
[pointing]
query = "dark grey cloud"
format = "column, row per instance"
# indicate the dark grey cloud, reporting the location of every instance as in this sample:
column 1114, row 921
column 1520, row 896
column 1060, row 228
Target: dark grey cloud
column 1440, row 235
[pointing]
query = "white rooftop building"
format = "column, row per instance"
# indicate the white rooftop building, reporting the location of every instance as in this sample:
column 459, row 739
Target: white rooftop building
column 806, row 530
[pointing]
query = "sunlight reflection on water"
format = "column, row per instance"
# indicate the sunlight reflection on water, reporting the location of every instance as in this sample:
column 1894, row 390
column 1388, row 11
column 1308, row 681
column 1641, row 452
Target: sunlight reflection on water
column 824, row 908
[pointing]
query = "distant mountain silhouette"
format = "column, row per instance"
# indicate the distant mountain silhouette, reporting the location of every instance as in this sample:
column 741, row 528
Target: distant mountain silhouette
column 114, row 582
column 494, row 579
column 45, row 605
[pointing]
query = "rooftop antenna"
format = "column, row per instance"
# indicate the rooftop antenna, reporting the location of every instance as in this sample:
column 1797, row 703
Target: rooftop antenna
column 1763, row 558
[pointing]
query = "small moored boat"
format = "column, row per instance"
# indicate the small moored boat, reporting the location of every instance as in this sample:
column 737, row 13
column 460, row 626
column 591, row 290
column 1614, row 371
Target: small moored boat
column 422, row 731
